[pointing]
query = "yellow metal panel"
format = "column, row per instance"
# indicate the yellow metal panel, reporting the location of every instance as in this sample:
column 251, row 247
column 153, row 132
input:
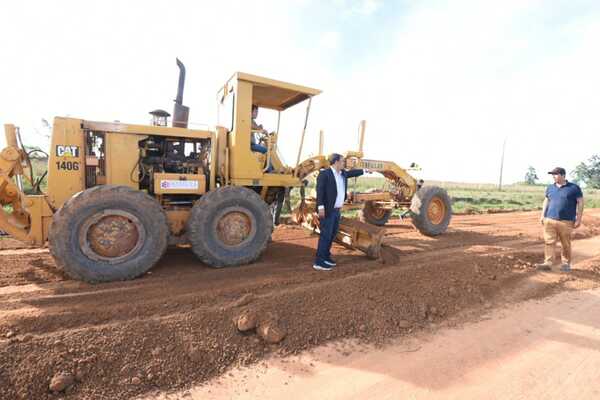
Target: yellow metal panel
column 122, row 154
column 66, row 165
column 179, row 183
column 10, row 132
column 219, row 164
column 213, row 160
column 393, row 172
column 40, row 217
column 242, row 163
column 148, row 130
column 373, row 196
column 279, row 180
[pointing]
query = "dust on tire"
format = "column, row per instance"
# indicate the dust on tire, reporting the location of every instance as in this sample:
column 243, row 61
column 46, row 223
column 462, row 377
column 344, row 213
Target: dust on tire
column 207, row 243
column 371, row 214
column 421, row 204
column 65, row 234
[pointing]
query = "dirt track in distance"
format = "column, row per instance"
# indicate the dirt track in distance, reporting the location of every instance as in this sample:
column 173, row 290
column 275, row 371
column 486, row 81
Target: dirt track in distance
column 173, row 327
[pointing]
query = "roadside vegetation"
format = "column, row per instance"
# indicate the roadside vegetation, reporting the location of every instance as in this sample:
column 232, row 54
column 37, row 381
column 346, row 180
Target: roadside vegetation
column 472, row 198
column 483, row 198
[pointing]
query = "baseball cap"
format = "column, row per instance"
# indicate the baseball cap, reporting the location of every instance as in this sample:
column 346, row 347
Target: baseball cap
column 558, row 171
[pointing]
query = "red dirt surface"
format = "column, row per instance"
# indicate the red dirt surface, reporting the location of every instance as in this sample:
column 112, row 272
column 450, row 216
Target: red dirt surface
column 176, row 326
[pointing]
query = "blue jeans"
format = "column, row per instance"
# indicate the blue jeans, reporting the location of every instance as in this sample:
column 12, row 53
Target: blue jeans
column 258, row 148
column 328, row 227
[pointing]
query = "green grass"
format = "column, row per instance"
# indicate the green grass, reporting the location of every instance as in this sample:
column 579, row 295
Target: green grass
column 471, row 198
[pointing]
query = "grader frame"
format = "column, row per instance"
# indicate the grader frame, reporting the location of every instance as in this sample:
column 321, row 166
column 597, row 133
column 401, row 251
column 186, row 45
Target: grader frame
column 109, row 191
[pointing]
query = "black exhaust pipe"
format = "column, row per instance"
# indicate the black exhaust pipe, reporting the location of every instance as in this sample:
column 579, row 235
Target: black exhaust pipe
column 181, row 113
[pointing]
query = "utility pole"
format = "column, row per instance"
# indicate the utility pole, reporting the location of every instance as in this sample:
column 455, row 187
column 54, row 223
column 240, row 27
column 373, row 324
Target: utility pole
column 321, row 141
column 502, row 164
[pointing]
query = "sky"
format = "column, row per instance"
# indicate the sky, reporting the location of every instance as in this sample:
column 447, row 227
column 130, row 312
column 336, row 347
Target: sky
column 440, row 83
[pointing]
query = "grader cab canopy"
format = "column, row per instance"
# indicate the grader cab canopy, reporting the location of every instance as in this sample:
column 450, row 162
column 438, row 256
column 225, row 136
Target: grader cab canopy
column 271, row 93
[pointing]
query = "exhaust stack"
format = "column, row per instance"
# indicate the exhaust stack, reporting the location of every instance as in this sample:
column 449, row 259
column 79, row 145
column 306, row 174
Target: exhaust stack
column 180, row 112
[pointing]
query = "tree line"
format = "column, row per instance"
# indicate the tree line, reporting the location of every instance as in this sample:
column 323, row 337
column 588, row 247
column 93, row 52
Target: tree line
column 587, row 172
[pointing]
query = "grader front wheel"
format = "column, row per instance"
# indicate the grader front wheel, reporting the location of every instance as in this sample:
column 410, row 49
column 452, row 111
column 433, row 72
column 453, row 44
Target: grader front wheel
column 431, row 210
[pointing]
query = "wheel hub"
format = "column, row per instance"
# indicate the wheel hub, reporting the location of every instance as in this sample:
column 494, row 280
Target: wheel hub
column 378, row 212
column 111, row 236
column 436, row 211
column 234, row 227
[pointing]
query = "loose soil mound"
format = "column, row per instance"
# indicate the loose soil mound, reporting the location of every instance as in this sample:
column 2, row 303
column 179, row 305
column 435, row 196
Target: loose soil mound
column 8, row 243
column 178, row 324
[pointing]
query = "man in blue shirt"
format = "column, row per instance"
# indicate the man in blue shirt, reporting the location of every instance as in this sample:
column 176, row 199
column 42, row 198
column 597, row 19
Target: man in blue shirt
column 561, row 213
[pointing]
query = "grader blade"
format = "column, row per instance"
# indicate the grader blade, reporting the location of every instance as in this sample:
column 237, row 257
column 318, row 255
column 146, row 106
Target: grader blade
column 365, row 237
column 352, row 234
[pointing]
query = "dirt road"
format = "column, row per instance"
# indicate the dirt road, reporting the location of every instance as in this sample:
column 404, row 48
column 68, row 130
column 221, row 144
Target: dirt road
column 173, row 328
column 541, row 349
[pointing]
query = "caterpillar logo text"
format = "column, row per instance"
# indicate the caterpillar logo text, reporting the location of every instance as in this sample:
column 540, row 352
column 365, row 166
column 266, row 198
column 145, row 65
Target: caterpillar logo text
column 67, row 151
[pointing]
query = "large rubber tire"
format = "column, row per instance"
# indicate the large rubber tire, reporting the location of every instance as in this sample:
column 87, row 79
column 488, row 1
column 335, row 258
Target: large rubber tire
column 88, row 226
column 248, row 221
column 431, row 210
column 374, row 215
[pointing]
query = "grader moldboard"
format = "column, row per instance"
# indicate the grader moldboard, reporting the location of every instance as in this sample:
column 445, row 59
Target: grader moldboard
column 119, row 194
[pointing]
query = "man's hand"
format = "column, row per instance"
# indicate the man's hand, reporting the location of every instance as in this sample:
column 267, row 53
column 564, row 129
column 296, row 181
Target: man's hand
column 579, row 215
column 544, row 208
column 321, row 213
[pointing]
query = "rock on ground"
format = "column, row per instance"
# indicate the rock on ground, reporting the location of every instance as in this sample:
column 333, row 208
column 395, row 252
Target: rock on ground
column 61, row 381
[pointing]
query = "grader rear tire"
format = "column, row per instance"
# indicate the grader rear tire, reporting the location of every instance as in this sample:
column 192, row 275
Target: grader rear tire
column 431, row 210
column 229, row 226
column 108, row 233
column 374, row 215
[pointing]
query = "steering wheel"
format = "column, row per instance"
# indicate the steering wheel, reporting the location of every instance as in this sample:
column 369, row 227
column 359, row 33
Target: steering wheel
column 263, row 138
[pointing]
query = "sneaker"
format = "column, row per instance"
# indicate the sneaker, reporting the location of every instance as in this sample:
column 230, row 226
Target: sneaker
column 330, row 263
column 565, row 268
column 543, row 266
column 319, row 267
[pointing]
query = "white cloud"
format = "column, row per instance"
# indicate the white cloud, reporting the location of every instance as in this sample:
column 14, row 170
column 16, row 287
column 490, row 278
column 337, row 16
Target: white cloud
column 366, row 7
column 330, row 40
column 358, row 7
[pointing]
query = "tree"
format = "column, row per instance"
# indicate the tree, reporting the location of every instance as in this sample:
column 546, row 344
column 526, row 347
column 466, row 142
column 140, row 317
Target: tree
column 531, row 176
column 589, row 172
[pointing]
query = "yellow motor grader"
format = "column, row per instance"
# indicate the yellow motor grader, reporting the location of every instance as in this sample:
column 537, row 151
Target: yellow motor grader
column 119, row 194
